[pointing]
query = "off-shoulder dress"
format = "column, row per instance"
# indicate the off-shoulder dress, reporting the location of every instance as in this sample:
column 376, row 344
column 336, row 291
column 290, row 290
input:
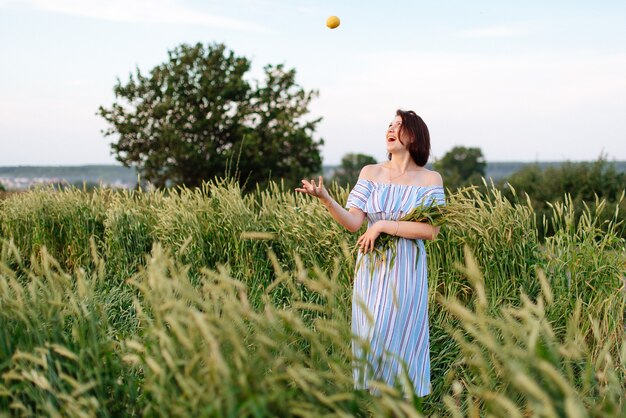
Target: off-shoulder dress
column 390, row 296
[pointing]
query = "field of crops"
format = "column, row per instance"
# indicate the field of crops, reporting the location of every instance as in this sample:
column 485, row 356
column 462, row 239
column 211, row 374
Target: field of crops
column 207, row 302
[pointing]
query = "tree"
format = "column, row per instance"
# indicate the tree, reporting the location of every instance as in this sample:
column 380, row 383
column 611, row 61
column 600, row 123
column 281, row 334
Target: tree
column 197, row 116
column 351, row 164
column 461, row 166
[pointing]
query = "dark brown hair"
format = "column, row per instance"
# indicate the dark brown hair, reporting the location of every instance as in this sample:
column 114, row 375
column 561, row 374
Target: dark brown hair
column 419, row 148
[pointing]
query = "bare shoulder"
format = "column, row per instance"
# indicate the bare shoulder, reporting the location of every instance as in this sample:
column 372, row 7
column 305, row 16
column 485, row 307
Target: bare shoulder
column 430, row 178
column 371, row 172
column 435, row 178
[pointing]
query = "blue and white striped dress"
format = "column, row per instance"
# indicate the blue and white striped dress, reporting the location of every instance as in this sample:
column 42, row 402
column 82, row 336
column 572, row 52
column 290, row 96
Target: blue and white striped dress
column 390, row 298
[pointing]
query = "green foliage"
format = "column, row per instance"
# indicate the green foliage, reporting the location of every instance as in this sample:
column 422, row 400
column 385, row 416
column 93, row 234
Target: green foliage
column 212, row 302
column 66, row 219
column 197, row 116
column 518, row 363
column 208, row 349
column 348, row 171
column 59, row 351
column 583, row 183
column 461, row 166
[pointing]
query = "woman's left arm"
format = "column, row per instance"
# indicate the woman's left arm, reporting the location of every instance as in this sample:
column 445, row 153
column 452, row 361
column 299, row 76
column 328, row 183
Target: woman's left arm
column 408, row 229
column 403, row 229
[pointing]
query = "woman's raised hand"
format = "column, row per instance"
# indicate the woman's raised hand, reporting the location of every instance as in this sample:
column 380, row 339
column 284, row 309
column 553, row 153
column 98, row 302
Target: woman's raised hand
column 317, row 190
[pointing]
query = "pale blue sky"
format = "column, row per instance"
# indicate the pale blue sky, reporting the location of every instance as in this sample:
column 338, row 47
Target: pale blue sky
column 529, row 81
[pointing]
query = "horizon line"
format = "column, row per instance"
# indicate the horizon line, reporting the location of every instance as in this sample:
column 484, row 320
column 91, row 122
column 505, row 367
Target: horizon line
column 323, row 165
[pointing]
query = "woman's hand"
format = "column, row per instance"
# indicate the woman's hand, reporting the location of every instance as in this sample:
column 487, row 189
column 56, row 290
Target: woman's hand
column 366, row 241
column 318, row 190
column 351, row 220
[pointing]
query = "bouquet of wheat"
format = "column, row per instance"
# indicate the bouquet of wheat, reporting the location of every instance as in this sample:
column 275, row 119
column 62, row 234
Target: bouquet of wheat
column 433, row 214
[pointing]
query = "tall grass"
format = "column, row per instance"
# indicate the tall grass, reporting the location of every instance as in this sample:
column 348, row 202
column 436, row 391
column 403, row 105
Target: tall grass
column 208, row 302
column 61, row 221
column 59, row 355
column 516, row 364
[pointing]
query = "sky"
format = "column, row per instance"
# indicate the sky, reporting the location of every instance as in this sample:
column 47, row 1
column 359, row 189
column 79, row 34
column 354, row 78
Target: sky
column 523, row 81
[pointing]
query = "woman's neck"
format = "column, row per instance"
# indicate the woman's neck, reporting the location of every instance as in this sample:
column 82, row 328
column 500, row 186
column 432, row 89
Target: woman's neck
column 402, row 163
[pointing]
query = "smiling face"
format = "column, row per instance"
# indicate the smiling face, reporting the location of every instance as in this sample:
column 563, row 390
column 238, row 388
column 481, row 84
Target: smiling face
column 408, row 132
column 397, row 138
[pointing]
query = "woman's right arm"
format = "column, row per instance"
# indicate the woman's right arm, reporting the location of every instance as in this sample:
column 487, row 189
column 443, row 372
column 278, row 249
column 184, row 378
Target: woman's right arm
column 351, row 220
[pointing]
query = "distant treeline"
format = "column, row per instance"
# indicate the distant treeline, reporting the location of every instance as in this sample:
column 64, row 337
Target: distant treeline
column 598, row 186
column 88, row 173
column 112, row 173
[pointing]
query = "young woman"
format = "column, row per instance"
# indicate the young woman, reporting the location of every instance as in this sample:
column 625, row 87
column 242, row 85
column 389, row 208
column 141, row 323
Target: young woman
column 390, row 297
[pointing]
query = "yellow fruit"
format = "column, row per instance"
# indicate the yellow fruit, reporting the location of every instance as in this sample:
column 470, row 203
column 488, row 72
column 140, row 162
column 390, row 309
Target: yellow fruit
column 332, row 22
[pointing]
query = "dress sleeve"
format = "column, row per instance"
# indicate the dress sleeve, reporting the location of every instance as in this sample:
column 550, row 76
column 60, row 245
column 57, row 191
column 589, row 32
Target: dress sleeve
column 435, row 196
column 359, row 195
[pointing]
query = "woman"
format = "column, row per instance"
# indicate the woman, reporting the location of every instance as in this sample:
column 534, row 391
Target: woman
column 390, row 299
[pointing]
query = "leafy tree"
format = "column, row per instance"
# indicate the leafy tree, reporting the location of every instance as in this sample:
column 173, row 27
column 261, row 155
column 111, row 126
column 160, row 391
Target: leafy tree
column 198, row 116
column 351, row 164
column 461, row 166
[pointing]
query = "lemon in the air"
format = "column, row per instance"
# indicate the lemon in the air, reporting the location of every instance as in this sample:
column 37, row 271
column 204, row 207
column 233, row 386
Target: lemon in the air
column 332, row 22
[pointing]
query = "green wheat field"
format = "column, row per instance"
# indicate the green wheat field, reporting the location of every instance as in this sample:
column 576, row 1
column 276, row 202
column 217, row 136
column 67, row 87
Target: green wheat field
column 208, row 302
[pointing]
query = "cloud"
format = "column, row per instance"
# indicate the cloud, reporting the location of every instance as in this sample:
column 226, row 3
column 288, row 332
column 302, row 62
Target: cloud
column 137, row 11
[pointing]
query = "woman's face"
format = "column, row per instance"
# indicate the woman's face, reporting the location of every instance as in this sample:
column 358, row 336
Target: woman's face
column 397, row 138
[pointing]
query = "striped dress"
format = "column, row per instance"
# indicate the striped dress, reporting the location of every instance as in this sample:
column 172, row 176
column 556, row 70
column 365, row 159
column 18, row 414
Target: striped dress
column 390, row 298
